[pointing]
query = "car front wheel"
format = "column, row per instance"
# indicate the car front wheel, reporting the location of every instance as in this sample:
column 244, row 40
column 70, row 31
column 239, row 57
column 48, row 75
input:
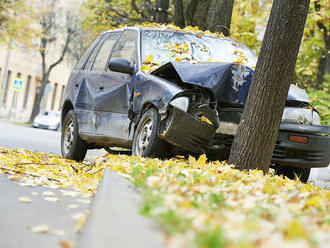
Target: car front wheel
column 72, row 146
column 146, row 142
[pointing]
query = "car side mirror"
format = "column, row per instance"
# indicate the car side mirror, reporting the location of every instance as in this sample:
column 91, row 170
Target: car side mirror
column 121, row 65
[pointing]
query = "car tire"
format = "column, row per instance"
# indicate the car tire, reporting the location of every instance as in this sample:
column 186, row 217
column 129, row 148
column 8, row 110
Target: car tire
column 146, row 142
column 291, row 172
column 72, row 146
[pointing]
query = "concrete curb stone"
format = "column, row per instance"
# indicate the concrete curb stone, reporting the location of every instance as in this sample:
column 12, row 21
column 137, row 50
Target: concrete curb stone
column 114, row 220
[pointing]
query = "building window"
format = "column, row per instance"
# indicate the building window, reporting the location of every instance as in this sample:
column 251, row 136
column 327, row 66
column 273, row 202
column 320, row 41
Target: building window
column 54, row 96
column 27, row 89
column 62, row 96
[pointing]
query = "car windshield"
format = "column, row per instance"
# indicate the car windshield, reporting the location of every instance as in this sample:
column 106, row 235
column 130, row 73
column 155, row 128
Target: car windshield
column 160, row 47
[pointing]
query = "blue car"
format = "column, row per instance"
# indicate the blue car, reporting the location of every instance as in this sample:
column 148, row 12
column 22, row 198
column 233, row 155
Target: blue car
column 160, row 92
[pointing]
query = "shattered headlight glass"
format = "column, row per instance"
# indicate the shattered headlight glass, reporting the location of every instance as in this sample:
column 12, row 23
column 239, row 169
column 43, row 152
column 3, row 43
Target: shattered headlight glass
column 181, row 103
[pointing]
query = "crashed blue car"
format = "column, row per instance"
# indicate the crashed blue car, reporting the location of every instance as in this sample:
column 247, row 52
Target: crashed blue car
column 161, row 92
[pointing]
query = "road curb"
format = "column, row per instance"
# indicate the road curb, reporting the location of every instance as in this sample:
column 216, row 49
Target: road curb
column 114, row 220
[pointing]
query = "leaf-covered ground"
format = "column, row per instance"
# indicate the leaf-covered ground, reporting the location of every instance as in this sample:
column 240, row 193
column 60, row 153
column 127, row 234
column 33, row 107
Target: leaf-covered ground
column 197, row 203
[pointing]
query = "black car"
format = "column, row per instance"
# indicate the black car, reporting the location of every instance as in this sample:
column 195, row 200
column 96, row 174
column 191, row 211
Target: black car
column 164, row 92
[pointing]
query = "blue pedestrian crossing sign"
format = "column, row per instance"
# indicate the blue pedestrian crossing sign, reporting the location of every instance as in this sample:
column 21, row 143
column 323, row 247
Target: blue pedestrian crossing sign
column 17, row 85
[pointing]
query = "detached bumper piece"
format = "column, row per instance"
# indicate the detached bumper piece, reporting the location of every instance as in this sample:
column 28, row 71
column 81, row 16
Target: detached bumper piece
column 302, row 146
column 187, row 131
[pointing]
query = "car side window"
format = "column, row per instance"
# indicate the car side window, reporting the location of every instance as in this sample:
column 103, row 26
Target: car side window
column 81, row 62
column 104, row 53
column 93, row 55
column 126, row 47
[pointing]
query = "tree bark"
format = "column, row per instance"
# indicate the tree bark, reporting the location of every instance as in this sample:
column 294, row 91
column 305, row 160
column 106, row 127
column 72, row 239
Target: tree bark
column 162, row 10
column 179, row 19
column 219, row 16
column 258, row 130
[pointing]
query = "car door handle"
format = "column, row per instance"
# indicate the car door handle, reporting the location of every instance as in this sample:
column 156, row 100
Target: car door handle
column 76, row 85
column 101, row 88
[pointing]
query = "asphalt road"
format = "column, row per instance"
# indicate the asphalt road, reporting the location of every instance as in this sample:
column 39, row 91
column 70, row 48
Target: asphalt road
column 34, row 139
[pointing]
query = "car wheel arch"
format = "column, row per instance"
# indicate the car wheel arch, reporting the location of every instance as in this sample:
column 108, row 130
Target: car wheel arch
column 145, row 107
column 67, row 106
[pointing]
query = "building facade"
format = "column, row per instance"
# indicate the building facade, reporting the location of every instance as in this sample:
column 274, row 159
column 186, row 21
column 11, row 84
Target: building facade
column 26, row 64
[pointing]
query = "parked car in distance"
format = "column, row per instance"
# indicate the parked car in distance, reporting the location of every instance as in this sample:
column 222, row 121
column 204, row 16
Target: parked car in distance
column 48, row 120
column 164, row 92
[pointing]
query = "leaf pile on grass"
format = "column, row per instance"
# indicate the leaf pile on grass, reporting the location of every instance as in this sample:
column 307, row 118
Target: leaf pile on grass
column 201, row 204
column 197, row 203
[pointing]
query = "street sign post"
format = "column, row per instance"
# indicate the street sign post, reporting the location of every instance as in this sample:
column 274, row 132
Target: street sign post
column 17, row 85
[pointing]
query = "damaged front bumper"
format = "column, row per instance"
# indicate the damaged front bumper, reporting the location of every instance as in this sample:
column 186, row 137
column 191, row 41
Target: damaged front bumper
column 187, row 131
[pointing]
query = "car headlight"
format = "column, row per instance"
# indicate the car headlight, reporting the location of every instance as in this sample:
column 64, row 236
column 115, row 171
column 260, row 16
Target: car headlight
column 316, row 118
column 181, row 103
column 297, row 115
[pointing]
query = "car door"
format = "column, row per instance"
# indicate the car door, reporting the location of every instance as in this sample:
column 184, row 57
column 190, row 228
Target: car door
column 87, row 86
column 112, row 105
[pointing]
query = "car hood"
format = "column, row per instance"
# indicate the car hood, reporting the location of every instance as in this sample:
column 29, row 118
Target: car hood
column 230, row 82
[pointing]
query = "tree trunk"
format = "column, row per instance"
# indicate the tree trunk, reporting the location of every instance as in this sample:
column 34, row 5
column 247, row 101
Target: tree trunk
column 196, row 13
column 179, row 19
column 214, row 15
column 324, row 61
column 257, row 133
column 219, row 16
column 162, row 10
column 37, row 102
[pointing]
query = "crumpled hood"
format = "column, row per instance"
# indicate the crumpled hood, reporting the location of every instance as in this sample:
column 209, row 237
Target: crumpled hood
column 230, row 82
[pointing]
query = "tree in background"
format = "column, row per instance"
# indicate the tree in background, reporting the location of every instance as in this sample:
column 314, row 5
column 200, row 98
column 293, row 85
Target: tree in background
column 313, row 63
column 16, row 23
column 53, row 29
column 254, row 143
column 214, row 15
column 161, row 11
column 101, row 15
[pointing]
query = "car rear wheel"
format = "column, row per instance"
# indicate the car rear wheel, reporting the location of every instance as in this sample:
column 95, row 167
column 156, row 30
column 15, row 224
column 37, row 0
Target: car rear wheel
column 291, row 172
column 72, row 146
column 146, row 142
